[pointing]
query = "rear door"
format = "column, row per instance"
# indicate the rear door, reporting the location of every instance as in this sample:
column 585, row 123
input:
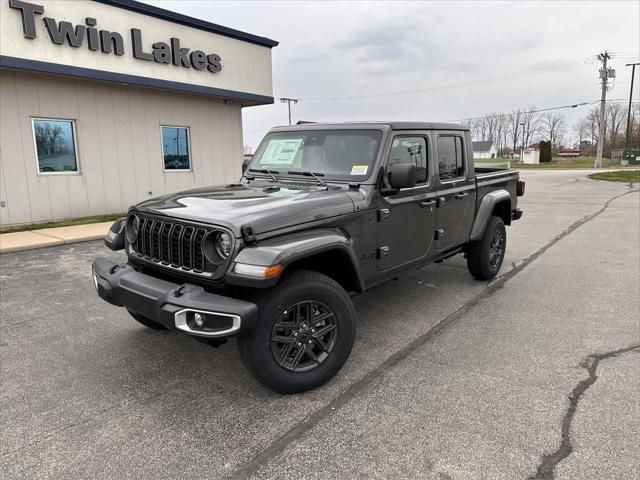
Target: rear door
column 456, row 190
column 406, row 220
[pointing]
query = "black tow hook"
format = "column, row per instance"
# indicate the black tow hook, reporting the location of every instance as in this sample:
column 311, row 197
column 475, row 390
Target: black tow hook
column 178, row 291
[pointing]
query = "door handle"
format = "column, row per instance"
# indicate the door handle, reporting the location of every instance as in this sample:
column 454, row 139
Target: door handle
column 428, row 204
column 460, row 196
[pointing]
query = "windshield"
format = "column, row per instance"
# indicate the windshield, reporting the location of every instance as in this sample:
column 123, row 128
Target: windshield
column 337, row 154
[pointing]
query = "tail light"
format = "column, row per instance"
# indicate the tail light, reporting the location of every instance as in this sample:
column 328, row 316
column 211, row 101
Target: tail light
column 520, row 188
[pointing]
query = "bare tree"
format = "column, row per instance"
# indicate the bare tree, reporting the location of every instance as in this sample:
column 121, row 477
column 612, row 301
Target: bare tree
column 531, row 127
column 581, row 130
column 553, row 127
column 615, row 118
column 514, row 121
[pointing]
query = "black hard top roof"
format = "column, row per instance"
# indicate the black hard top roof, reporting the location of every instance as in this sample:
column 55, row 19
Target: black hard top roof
column 393, row 124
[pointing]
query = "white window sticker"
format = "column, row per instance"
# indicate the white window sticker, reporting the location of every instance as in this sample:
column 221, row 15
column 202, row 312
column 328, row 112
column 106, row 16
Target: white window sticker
column 359, row 169
column 281, row 152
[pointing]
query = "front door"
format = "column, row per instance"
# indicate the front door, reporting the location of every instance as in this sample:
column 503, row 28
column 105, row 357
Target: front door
column 456, row 193
column 406, row 220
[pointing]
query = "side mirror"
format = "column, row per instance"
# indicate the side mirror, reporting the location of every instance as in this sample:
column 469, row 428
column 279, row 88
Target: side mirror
column 402, row 175
column 245, row 164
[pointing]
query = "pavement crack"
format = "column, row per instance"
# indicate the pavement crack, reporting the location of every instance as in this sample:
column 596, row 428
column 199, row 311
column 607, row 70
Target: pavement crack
column 550, row 461
column 63, row 428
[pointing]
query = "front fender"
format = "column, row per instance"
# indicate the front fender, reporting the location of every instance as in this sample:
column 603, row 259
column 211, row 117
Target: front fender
column 489, row 201
column 290, row 248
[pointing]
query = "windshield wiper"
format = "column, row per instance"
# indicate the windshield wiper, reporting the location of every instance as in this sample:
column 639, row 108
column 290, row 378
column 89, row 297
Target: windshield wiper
column 316, row 176
column 268, row 172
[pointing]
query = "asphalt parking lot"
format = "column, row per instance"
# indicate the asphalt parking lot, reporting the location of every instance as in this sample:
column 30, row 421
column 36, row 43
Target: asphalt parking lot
column 534, row 374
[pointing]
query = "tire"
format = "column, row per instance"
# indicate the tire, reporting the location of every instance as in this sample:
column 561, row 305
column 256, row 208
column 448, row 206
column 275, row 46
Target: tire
column 306, row 312
column 485, row 257
column 146, row 322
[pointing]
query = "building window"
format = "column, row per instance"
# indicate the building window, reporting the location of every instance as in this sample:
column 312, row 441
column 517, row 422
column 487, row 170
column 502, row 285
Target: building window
column 175, row 148
column 409, row 150
column 55, row 145
column 450, row 157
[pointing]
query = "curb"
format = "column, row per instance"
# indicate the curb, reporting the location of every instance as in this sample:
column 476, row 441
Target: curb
column 49, row 237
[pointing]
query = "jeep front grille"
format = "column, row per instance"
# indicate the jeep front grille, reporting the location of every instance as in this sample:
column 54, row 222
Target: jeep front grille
column 171, row 243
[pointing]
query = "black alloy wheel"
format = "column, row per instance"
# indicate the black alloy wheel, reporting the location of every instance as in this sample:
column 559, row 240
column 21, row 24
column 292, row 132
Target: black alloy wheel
column 304, row 336
column 485, row 256
column 305, row 331
column 496, row 249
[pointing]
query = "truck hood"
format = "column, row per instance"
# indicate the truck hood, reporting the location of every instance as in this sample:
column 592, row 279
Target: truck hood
column 264, row 207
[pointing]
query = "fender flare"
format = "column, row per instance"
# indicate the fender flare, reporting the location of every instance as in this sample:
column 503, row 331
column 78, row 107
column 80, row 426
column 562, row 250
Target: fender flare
column 290, row 248
column 489, row 201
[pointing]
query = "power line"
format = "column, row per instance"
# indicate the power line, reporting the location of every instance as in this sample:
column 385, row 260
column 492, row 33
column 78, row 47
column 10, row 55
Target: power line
column 574, row 105
column 540, row 69
column 440, row 107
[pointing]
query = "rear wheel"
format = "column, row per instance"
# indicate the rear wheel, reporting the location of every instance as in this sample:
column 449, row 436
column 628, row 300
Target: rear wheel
column 146, row 322
column 305, row 333
column 484, row 257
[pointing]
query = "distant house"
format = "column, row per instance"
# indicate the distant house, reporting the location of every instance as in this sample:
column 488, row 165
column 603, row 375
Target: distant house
column 484, row 149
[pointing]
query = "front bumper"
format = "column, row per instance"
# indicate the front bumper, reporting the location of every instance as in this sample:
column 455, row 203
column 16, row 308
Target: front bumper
column 171, row 304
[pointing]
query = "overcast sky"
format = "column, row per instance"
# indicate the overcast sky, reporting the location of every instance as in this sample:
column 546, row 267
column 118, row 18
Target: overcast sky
column 431, row 61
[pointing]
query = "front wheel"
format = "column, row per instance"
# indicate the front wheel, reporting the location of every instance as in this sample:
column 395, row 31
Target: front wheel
column 484, row 257
column 306, row 329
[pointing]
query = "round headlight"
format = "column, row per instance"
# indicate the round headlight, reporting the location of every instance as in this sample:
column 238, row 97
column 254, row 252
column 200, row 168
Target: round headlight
column 131, row 229
column 223, row 244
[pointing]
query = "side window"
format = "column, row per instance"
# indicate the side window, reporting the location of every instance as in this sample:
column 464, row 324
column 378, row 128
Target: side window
column 175, row 148
column 450, row 157
column 410, row 150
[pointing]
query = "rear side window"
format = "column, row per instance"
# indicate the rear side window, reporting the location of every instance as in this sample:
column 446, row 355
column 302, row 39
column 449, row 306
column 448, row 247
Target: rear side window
column 450, row 157
column 410, row 150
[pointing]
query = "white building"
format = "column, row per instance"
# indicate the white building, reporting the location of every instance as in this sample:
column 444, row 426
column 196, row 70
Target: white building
column 484, row 149
column 108, row 102
column 531, row 155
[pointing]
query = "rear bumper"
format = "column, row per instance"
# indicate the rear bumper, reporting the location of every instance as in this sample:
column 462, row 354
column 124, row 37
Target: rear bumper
column 171, row 304
column 516, row 214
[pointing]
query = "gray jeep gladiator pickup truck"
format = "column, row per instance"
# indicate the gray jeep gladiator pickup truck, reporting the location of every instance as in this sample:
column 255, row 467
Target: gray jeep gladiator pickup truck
column 322, row 212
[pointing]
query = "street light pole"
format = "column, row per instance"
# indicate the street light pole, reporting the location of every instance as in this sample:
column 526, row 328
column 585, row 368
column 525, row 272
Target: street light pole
column 289, row 101
column 626, row 138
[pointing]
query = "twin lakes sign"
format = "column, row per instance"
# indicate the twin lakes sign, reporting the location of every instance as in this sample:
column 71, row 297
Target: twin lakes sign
column 112, row 42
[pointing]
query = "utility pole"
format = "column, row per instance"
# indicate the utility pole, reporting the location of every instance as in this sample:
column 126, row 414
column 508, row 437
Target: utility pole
column 289, row 101
column 626, row 138
column 605, row 73
column 522, row 150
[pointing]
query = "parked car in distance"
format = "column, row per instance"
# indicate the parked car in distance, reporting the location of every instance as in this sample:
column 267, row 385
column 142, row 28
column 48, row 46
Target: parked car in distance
column 322, row 212
column 569, row 152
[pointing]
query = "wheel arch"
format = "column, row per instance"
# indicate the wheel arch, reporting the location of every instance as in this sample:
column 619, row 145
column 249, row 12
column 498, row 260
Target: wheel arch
column 326, row 251
column 495, row 203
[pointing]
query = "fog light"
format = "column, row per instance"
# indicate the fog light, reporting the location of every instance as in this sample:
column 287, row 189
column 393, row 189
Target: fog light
column 198, row 320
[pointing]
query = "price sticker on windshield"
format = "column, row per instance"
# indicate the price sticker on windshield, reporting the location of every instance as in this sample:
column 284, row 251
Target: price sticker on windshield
column 359, row 169
column 281, row 152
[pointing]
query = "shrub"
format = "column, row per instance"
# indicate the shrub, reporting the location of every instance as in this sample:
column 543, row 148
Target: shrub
column 545, row 151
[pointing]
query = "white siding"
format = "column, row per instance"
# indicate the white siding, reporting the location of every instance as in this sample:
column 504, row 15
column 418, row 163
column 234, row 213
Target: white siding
column 118, row 143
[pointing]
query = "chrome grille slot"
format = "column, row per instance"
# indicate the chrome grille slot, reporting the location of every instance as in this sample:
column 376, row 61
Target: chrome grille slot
column 187, row 248
column 157, row 241
column 198, row 257
column 165, row 238
column 179, row 245
column 176, row 251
